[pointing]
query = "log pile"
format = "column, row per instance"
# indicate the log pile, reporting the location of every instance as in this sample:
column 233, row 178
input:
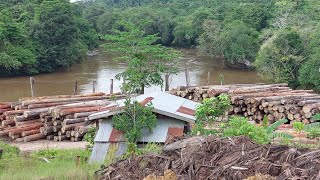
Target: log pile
column 55, row 118
column 276, row 101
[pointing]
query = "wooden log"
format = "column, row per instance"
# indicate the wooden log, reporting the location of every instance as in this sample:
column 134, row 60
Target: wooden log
column 42, row 105
column 27, row 128
column 14, row 112
column 65, row 112
column 31, row 132
column 8, row 123
column 57, row 128
column 68, row 133
column 73, row 121
column 34, row 112
column 56, row 138
column 60, row 133
column 84, row 114
column 56, row 122
column 31, row 122
column 34, row 137
column 70, row 127
column 63, row 138
column 62, row 96
column 50, row 137
column 58, row 100
column 307, row 108
column 48, row 124
column 48, row 130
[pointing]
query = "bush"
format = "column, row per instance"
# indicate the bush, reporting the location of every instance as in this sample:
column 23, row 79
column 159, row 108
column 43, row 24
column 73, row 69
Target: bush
column 238, row 126
column 309, row 74
column 280, row 58
column 211, row 108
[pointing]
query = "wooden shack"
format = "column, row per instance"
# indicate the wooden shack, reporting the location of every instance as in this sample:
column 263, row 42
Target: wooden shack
column 174, row 115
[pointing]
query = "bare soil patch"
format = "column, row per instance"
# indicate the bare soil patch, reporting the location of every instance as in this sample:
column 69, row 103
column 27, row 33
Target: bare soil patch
column 46, row 144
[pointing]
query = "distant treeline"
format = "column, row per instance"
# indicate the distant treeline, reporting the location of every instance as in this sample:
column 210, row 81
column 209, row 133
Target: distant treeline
column 42, row 36
column 280, row 38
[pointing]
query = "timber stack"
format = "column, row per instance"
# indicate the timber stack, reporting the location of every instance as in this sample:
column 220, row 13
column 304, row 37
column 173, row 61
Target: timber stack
column 55, row 118
column 276, row 101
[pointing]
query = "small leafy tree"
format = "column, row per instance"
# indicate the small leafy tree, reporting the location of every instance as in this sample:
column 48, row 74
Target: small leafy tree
column 133, row 120
column 146, row 60
column 208, row 111
column 210, row 108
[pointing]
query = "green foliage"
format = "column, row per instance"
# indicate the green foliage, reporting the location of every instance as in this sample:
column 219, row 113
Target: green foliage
column 133, row 120
column 313, row 133
column 42, row 36
column 309, row 74
column 34, row 167
column 8, row 151
column 298, row 126
column 199, row 129
column 313, row 125
column 146, row 61
column 211, row 108
column 280, row 57
column 316, row 117
column 238, row 126
column 239, row 43
column 275, row 125
column 89, row 136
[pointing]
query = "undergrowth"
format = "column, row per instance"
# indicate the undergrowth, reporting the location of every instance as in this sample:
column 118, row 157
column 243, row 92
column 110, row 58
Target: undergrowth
column 45, row 164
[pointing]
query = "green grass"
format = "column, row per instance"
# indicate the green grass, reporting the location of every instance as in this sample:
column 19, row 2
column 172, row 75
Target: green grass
column 63, row 165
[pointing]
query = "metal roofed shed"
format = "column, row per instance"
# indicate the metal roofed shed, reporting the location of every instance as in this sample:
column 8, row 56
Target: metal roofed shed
column 173, row 115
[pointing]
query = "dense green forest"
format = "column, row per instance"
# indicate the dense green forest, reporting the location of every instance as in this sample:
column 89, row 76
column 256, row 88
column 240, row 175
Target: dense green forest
column 278, row 38
column 42, row 36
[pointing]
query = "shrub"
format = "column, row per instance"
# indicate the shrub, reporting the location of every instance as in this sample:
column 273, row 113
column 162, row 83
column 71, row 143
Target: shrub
column 210, row 108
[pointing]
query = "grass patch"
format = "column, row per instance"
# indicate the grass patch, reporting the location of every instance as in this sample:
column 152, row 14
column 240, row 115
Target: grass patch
column 64, row 164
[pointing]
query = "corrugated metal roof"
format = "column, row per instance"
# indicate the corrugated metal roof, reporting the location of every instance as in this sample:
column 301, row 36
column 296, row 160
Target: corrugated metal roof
column 163, row 103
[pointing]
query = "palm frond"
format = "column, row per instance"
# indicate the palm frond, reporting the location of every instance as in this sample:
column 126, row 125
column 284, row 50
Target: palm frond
column 312, row 125
column 275, row 125
column 265, row 121
column 281, row 135
column 316, row 117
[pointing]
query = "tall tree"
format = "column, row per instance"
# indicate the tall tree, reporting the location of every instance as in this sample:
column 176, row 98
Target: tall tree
column 280, row 57
column 146, row 61
column 58, row 35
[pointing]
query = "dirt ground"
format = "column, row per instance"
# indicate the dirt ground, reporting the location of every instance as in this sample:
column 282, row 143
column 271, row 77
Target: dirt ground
column 45, row 144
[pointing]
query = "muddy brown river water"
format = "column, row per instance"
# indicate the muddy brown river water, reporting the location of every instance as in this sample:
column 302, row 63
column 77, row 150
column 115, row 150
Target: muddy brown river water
column 101, row 69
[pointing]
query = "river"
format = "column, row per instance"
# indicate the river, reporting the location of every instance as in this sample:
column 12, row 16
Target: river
column 102, row 69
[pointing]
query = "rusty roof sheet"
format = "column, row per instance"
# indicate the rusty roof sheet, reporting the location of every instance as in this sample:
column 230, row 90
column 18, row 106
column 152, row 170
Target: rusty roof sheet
column 163, row 103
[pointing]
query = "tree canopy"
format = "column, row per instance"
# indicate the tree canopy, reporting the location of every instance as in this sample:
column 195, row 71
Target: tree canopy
column 42, row 36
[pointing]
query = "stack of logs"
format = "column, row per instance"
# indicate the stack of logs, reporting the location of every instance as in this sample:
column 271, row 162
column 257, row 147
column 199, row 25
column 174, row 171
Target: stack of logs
column 55, row 118
column 276, row 101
